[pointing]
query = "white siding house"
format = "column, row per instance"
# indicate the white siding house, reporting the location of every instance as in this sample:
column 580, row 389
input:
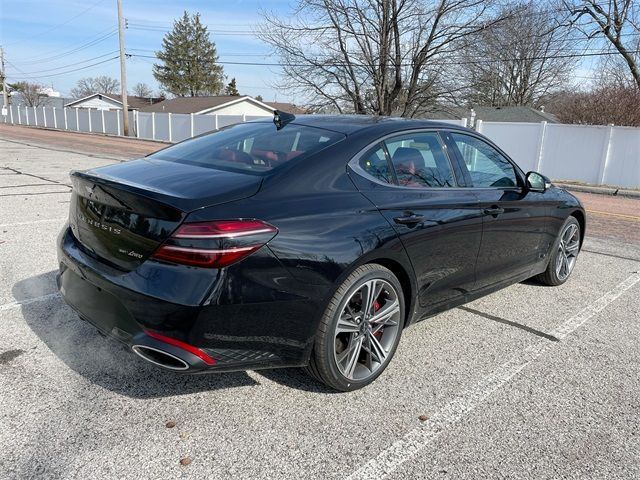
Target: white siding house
column 108, row 101
column 219, row 105
column 244, row 105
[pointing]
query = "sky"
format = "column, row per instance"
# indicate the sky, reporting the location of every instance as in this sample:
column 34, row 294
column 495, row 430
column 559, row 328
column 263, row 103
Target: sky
column 39, row 39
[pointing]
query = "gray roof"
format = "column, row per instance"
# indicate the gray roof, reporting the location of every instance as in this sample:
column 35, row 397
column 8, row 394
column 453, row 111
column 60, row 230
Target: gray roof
column 133, row 102
column 198, row 104
column 493, row 114
column 190, row 104
column 513, row 114
column 286, row 107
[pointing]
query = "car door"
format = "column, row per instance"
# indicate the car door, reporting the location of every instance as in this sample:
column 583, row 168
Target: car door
column 514, row 218
column 411, row 180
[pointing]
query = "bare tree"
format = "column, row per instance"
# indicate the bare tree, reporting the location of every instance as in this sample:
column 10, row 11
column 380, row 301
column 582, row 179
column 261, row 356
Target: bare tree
column 374, row 56
column 616, row 21
column 604, row 104
column 519, row 60
column 101, row 84
column 142, row 90
column 31, row 93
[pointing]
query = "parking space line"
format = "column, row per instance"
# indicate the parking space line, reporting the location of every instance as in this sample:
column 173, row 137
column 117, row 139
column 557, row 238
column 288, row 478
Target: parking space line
column 27, row 185
column 33, row 222
column 39, row 177
column 611, row 255
column 415, row 440
column 28, row 301
column 31, row 194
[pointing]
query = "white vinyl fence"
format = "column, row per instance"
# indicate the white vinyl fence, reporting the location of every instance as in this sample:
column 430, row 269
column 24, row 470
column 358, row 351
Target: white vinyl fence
column 76, row 119
column 166, row 127
column 598, row 155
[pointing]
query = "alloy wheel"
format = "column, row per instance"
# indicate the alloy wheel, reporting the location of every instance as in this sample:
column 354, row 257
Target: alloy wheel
column 567, row 251
column 367, row 329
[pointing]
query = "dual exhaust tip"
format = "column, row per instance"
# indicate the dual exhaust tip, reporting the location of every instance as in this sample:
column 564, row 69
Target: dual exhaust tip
column 160, row 358
column 170, row 353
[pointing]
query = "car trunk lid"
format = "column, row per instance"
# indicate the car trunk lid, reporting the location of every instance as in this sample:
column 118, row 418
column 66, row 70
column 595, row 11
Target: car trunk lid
column 122, row 213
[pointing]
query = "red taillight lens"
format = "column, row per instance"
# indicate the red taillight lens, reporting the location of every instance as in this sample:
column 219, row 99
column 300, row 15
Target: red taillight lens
column 215, row 244
column 184, row 346
column 223, row 229
column 203, row 257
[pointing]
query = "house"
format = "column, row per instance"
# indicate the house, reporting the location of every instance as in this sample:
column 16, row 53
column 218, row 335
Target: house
column 17, row 100
column 110, row 101
column 493, row 114
column 220, row 105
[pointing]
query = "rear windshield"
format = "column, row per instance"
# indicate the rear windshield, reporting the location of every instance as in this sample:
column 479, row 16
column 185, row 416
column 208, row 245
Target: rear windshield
column 250, row 147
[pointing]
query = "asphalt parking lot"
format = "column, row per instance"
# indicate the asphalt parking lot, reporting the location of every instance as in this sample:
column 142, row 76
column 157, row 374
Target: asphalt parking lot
column 530, row 382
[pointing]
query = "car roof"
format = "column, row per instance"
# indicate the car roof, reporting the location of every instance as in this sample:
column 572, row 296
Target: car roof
column 348, row 124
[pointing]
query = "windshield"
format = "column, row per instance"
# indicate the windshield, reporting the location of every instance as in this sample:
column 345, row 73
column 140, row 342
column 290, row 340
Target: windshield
column 250, row 147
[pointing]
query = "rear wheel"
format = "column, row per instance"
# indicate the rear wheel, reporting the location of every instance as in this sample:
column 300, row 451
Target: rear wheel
column 564, row 256
column 360, row 329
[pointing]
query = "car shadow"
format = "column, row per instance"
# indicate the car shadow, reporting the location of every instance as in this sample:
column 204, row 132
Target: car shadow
column 534, row 283
column 101, row 360
column 108, row 363
column 295, row 378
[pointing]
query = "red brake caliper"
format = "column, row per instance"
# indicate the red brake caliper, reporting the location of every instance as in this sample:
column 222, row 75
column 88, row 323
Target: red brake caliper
column 376, row 307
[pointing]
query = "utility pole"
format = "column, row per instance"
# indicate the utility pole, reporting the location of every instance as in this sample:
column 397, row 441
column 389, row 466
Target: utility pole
column 123, row 72
column 5, row 96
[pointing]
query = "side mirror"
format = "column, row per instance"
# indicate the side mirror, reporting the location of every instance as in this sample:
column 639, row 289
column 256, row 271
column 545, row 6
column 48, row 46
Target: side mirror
column 536, row 182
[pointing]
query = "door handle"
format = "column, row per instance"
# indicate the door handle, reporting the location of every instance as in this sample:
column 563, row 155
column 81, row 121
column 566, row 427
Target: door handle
column 494, row 211
column 410, row 219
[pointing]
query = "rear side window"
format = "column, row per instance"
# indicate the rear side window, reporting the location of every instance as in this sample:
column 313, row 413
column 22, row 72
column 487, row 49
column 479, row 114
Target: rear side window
column 375, row 163
column 419, row 161
column 250, row 147
column 486, row 165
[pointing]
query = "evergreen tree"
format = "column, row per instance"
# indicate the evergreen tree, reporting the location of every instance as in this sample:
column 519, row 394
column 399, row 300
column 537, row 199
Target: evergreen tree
column 232, row 88
column 189, row 60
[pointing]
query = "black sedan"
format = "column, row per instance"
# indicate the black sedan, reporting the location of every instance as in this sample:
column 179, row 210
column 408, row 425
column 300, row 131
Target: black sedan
column 306, row 241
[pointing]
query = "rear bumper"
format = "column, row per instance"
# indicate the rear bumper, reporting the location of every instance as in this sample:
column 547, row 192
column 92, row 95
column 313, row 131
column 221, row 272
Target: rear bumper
column 237, row 326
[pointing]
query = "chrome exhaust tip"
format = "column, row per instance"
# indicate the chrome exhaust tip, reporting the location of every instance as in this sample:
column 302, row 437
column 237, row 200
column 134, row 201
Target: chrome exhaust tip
column 160, row 358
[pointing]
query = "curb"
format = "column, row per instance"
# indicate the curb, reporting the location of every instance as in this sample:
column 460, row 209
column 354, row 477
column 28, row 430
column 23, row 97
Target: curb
column 621, row 192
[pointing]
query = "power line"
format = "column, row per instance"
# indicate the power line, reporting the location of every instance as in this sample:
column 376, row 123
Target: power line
column 74, row 70
column 67, row 66
column 459, row 62
column 221, row 33
column 66, row 22
column 101, row 37
column 221, row 54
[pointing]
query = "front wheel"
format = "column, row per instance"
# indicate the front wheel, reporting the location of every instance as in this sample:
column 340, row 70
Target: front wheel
column 360, row 329
column 564, row 254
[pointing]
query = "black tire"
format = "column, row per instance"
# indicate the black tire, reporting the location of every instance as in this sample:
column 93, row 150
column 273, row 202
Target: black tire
column 323, row 365
column 551, row 275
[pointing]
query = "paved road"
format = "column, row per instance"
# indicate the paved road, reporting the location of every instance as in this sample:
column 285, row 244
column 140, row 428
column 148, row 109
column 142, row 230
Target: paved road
column 101, row 145
column 612, row 216
column 530, row 382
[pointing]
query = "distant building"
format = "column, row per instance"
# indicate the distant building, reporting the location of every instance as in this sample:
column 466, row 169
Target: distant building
column 493, row 114
column 220, row 105
column 109, row 101
column 17, row 99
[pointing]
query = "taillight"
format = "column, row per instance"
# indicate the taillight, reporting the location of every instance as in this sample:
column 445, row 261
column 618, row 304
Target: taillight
column 215, row 244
